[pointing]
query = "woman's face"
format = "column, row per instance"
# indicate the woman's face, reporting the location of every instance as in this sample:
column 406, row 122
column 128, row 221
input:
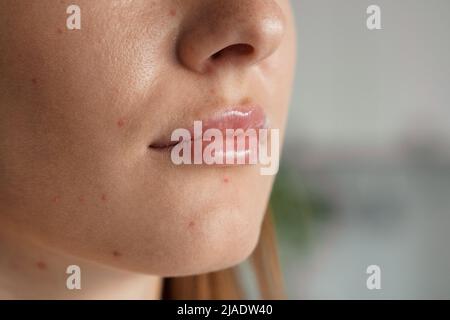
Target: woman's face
column 81, row 109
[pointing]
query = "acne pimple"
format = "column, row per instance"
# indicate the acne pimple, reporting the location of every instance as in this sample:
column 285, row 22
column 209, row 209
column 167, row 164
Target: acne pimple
column 191, row 224
column 56, row 199
column 120, row 123
column 41, row 265
column 34, row 81
column 226, row 179
column 81, row 199
column 173, row 12
column 59, row 30
column 103, row 197
column 246, row 100
column 116, row 253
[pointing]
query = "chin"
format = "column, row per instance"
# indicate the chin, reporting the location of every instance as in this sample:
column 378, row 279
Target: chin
column 224, row 239
column 211, row 256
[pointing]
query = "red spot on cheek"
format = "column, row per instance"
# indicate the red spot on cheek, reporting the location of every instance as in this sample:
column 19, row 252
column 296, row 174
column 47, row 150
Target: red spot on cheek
column 41, row 265
column 173, row 12
column 81, row 199
column 59, row 30
column 103, row 197
column 191, row 224
column 56, row 199
column 34, row 81
column 121, row 123
column 226, row 179
column 116, row 253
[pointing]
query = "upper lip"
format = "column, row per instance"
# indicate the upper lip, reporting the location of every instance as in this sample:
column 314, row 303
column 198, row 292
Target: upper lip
column 235, row 117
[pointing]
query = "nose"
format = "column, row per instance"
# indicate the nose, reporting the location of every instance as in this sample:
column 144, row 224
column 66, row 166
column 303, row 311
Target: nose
column 230, row 32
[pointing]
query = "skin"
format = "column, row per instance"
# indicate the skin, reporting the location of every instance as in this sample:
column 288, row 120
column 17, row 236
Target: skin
column 78, row 111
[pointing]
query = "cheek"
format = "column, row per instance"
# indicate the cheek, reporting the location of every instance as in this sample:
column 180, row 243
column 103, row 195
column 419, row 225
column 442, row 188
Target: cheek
column 68, row 103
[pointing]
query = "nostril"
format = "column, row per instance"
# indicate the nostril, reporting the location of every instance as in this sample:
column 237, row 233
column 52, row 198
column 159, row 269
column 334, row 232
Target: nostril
column 238, row 50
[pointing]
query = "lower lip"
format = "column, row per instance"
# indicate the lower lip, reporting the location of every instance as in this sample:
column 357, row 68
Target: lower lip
column 249, row 117
column 230, row 154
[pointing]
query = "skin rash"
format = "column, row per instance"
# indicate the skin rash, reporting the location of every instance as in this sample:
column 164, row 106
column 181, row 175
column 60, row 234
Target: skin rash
column 79, row 109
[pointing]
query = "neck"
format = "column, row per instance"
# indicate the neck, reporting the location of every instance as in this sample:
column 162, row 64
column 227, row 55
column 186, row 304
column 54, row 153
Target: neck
column 31, row 271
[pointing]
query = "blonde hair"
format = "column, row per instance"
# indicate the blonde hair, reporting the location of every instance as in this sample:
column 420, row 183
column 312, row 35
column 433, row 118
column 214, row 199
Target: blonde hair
column 225, row 284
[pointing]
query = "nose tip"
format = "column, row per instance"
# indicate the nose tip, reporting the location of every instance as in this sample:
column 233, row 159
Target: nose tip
column 231, row 32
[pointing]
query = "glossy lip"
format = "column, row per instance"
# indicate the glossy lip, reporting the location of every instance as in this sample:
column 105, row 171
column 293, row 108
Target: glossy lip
column 237, row 117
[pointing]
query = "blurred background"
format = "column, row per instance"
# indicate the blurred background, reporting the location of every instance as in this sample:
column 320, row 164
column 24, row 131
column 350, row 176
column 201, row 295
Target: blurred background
column 365, row 174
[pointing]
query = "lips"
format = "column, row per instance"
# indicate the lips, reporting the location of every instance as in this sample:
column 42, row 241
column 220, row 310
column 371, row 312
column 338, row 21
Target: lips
column 231, row 118
column 234, row 118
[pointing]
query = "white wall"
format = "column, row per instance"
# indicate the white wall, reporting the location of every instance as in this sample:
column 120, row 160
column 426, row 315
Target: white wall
column 356, row 86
